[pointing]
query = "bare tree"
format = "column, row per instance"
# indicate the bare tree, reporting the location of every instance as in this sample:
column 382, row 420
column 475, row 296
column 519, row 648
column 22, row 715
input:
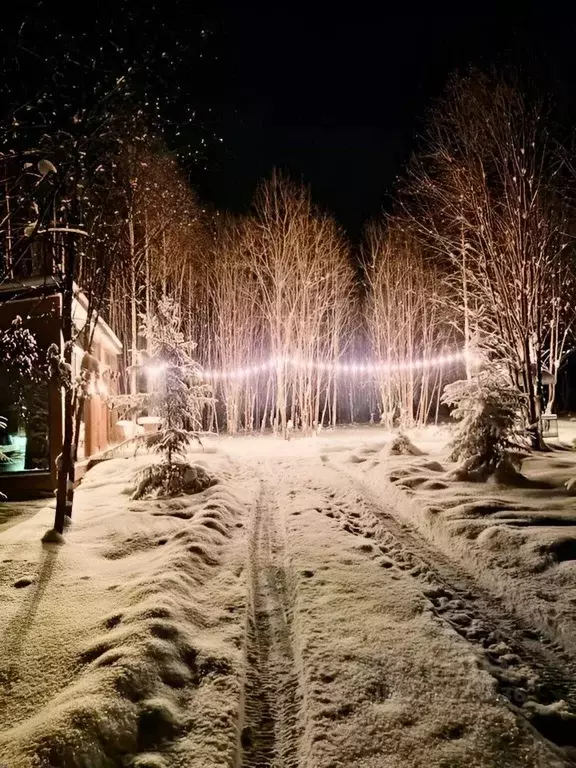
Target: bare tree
column 306, row 285
column 488, row 194
column 237, row 324
column 407, row 319
column 160, row 241
column 71, row 233
column 282, row 294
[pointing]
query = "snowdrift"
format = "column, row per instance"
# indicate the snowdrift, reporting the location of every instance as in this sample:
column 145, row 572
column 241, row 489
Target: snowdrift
column 114, row 641
column 517, row 536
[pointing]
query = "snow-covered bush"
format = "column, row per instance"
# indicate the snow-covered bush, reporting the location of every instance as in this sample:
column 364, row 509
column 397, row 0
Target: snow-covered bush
column 166, row 480
column 401, row 445
column 491, row 437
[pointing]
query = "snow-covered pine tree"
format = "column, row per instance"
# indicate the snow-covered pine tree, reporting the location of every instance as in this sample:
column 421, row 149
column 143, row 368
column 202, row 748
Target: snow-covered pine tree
column 177, row 396
column 491, row 439
column 179, row 393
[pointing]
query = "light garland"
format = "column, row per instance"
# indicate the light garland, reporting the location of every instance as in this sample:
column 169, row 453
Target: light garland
column 99, row 388
column 335, row 367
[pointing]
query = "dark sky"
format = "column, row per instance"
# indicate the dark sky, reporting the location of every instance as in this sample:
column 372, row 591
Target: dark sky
column 336, row 100
column 340, row 101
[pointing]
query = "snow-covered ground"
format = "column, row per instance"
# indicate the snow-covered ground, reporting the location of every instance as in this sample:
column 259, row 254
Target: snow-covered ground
column 320, row 605
column 519, row 543
column 121, row 639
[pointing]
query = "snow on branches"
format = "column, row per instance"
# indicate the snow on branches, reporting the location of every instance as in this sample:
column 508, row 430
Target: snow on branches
column 20, row 359
column 19, row 350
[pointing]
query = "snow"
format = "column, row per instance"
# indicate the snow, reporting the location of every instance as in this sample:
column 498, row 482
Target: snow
column 288, row 609
column 383, row 683
column 13, row 513
column 519, row 542
column 102, row 652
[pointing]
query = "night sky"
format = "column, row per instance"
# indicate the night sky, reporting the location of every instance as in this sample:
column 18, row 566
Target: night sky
column 336, row 100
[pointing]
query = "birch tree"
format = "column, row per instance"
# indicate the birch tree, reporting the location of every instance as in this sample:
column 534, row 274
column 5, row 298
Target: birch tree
column 488, row 193
column 407, row 320
column 306, row 285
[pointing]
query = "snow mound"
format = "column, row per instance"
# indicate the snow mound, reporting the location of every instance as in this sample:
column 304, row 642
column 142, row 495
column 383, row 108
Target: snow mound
column 503, row 474
column 375, row 452
column 148, row 640
column 516, row 534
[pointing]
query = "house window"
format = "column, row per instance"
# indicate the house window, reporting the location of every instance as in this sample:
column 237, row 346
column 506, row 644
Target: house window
column 24, row 420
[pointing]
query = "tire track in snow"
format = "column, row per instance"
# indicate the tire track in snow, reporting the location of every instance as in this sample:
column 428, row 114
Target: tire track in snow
column 269, row 702
column 537, row 679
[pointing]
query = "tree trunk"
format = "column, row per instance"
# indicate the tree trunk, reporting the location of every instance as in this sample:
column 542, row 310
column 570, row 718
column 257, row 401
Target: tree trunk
column 535, row 429
column 466, row 308
column 78, row 411
column 133, row 308
column 148, row 286
column 335, row 400
column 8, row 231
column 66, row 470
column 64, row 494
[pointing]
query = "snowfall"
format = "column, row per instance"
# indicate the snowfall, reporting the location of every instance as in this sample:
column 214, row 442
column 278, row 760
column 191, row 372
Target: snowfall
column 318, row 603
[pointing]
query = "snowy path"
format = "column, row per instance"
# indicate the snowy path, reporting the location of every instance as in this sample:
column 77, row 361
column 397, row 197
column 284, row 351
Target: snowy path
column 534, row 679
column 268, row 719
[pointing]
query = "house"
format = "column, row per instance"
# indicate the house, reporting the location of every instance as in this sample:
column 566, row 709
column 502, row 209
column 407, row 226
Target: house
column 31, row 437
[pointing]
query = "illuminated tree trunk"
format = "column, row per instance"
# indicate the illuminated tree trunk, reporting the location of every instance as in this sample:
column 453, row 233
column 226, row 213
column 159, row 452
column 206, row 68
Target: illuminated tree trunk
column 133, row 307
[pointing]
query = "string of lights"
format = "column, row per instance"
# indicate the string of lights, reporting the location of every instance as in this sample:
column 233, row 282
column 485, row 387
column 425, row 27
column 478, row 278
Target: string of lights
column 335, row 367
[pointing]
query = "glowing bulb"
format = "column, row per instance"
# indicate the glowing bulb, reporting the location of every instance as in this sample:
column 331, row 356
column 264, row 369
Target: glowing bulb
column 156, row 369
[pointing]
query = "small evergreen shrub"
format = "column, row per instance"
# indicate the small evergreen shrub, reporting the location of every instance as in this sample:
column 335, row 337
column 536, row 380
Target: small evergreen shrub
column 491, row 437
